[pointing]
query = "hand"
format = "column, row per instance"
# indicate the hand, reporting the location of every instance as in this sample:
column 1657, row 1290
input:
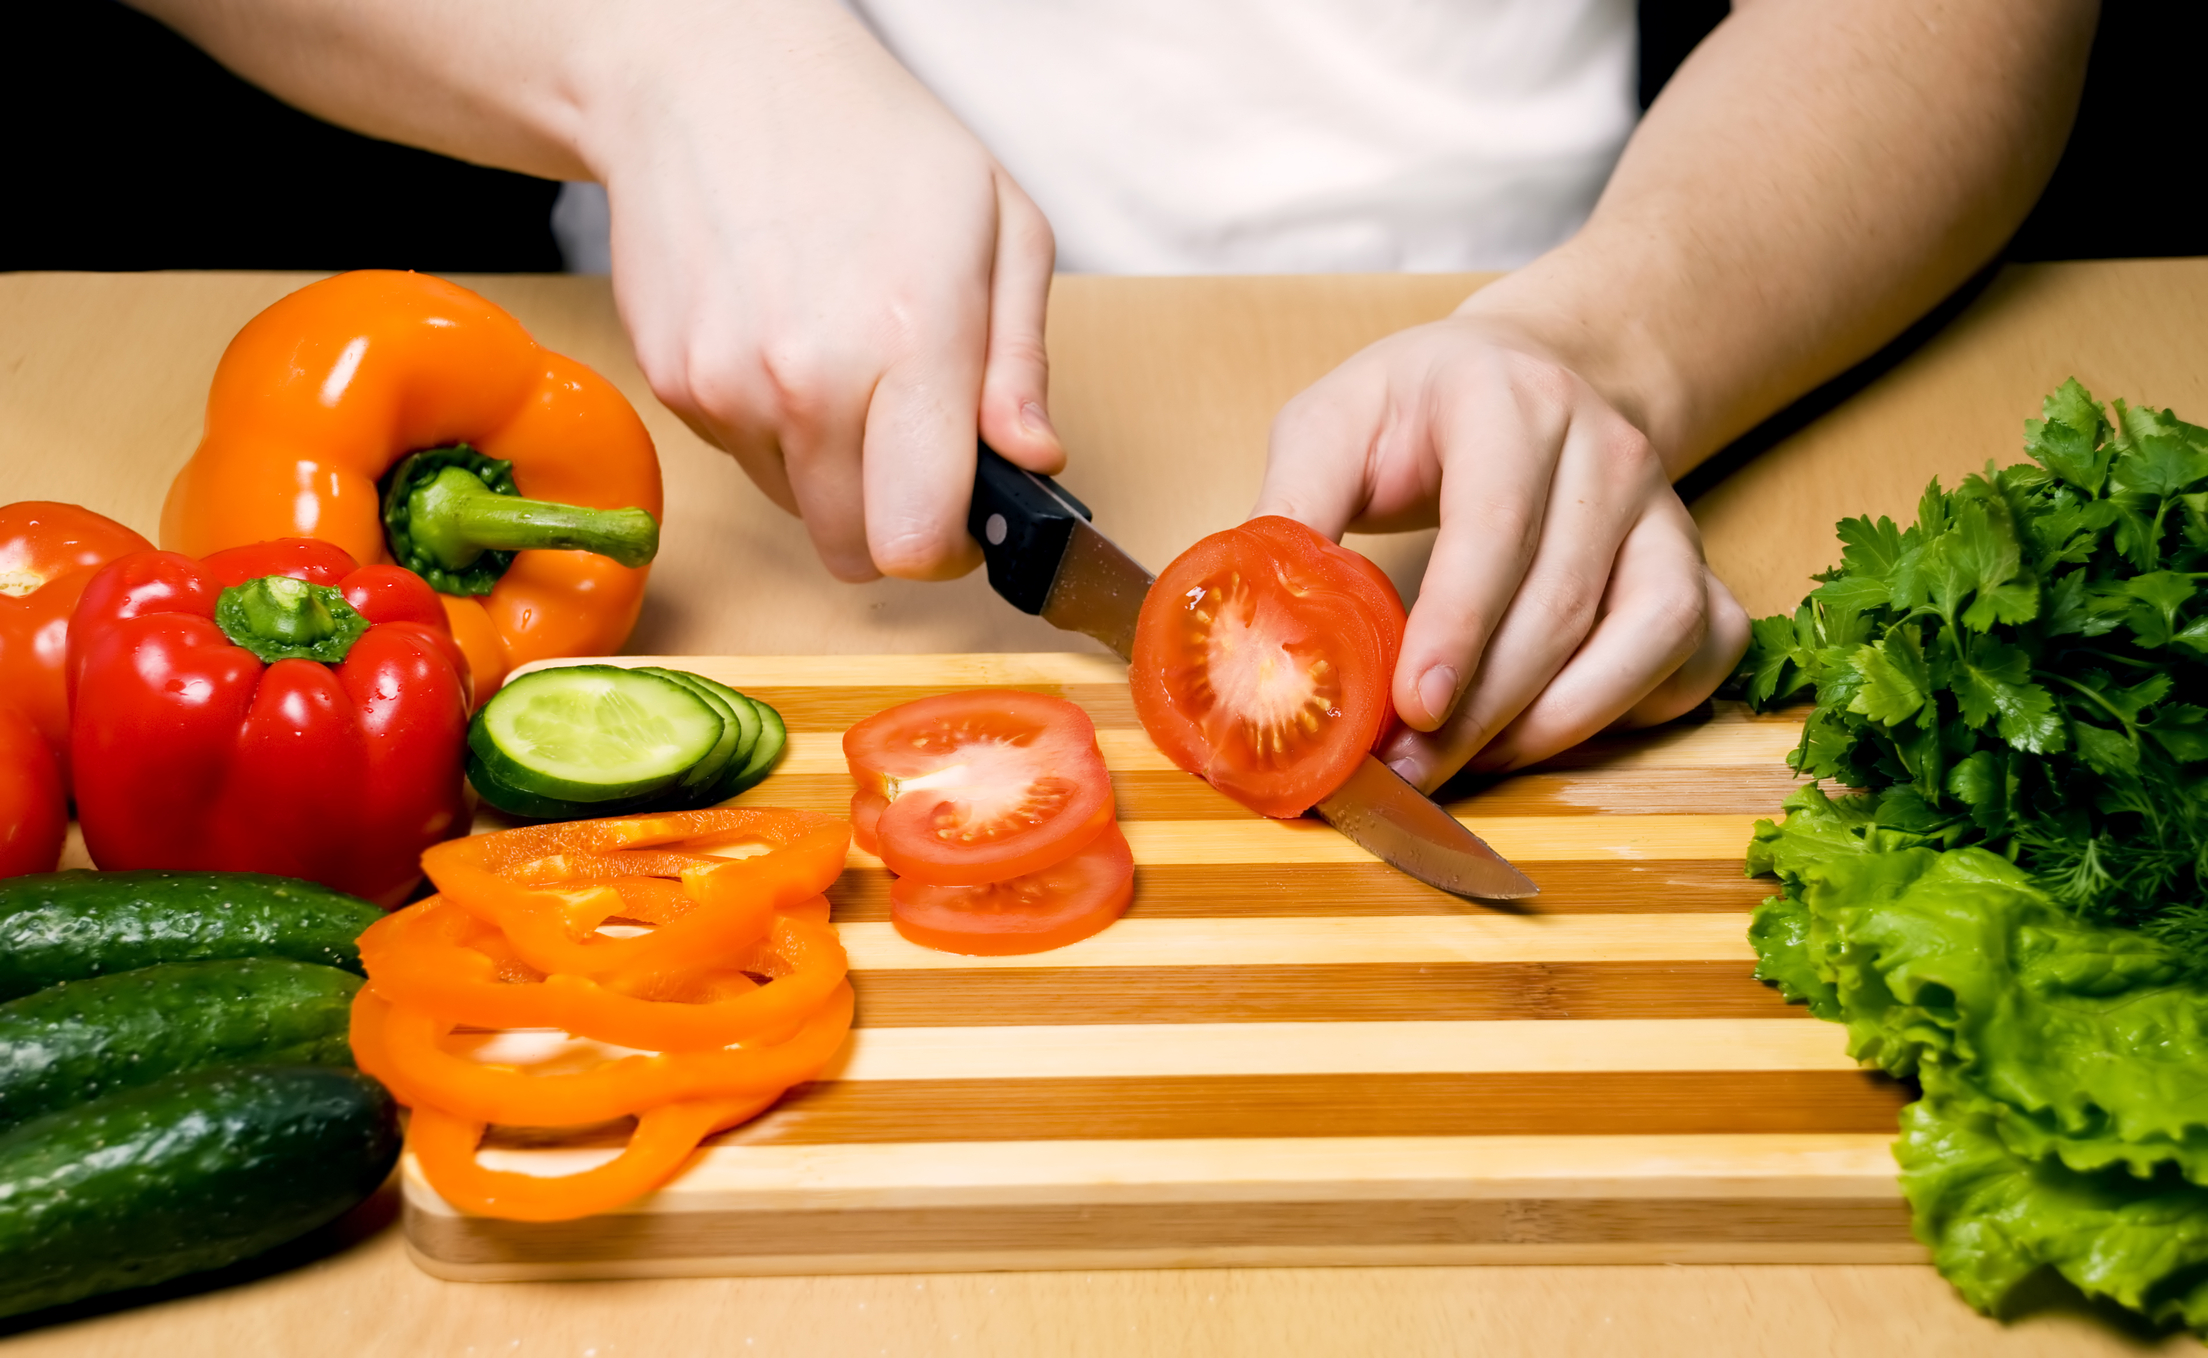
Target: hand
column 826, row 275
column 1567, row 591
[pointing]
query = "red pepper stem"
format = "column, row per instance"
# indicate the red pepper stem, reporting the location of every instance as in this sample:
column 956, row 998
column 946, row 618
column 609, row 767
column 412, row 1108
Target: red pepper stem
column 279, row 618
column 456, row 518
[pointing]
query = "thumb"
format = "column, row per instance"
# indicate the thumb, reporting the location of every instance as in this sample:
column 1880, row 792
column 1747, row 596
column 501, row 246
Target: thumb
column 1015, row 383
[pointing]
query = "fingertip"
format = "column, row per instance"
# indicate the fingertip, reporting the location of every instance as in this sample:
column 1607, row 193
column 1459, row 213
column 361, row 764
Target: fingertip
column 917, row 556
column 1437, row 694
column 1411, row 755
column 1022, row 433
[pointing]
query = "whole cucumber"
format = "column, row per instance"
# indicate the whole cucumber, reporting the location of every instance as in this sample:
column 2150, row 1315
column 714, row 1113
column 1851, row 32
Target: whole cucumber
column 195, row 1172
column 79, row 1040
column 67, row 926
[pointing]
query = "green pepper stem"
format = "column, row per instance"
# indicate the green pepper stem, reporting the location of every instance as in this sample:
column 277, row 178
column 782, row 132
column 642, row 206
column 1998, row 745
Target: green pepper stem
column 455, row 518
column 285, row 610
column 279, row 618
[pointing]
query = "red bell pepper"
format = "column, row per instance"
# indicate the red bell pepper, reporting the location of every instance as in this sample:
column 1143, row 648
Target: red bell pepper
column 48, row 552
column 273, row 708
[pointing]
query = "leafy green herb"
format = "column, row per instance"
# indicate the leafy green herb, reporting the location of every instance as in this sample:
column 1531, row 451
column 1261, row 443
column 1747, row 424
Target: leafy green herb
column 2023, row 667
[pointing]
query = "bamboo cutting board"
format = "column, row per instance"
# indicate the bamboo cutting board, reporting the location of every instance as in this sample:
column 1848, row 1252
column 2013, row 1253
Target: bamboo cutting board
column 1287, row 1052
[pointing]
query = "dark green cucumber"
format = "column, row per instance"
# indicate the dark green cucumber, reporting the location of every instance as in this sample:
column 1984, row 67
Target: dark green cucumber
column 192, row 1173
column 67, row 926
column 79, row 1040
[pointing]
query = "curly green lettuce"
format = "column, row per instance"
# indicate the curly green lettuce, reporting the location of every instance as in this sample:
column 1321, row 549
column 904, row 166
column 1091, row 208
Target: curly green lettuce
column 2064, row 1063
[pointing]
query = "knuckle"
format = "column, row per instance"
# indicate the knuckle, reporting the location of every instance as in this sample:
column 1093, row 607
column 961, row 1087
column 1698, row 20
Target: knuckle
column 1679, row 606
column 1627, row 448
column 1022, row 351
column 1565, row 603
column 799, row 382
column 1547, row 386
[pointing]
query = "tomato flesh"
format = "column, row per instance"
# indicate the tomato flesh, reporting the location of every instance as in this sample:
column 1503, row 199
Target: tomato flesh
column 1350, row 572
column 1259, row 664
column 1035, row 912
column 981, row 785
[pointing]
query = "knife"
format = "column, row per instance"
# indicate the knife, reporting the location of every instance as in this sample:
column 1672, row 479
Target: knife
column 1046, row 557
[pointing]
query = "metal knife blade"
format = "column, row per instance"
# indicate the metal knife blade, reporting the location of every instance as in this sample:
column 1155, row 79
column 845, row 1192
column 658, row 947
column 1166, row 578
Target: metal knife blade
column 1402, row 826
column 1045, row 557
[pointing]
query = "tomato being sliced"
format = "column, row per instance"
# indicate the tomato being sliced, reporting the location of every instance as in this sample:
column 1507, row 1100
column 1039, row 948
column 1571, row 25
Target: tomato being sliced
column 1351, row 572
column 981, row 785
column 1260, row 665
column 1061, row 904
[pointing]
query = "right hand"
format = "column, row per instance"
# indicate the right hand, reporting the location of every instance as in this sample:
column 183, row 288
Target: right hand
column 824, row 273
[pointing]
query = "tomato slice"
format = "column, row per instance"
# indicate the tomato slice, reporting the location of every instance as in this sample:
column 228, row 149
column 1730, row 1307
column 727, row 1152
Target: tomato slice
column 866, row 820
column 981, row 785
column 1061, row 904
column 1259, row 665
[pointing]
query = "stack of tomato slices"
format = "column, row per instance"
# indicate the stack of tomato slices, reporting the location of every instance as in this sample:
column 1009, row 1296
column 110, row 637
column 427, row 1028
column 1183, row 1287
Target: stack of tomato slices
column 580, row 973
column 994, row 810
column 1263, row 662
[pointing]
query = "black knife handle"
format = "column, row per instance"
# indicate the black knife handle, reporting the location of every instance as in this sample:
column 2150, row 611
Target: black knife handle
column 1023, row 522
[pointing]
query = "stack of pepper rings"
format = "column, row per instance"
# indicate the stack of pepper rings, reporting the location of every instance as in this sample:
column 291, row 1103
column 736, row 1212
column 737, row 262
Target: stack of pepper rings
column 633, row 950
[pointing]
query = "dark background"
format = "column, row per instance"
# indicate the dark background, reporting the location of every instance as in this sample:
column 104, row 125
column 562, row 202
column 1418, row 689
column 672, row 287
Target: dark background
column 130, row 149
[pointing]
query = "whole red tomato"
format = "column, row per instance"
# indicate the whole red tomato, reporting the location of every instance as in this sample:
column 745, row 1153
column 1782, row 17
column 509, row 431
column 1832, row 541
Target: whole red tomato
column 48, row 552
column 34, row 817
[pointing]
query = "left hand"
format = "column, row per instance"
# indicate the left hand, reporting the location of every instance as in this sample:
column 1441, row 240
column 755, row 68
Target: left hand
column 1567, row 591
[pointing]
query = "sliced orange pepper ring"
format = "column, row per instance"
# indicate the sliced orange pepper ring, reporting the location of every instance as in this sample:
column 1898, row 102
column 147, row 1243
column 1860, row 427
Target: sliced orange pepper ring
column 446, row 1148
column 571, row 974
column 413, row 1047
column 437, row 958
column 556, row 930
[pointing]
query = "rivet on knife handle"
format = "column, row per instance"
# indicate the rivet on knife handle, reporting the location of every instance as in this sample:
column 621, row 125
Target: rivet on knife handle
column 1023, row 522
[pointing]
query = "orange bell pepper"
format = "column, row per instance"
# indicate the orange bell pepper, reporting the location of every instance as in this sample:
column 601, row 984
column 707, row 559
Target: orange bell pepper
column 401, row 417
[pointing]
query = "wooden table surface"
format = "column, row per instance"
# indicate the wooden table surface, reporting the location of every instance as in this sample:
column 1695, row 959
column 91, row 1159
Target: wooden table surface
column 1163, row 389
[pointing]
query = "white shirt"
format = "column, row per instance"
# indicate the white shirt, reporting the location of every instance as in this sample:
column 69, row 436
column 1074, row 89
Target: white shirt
column 1283, row 136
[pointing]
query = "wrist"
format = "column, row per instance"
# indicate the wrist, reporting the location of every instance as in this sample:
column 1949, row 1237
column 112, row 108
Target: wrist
column 716, row 69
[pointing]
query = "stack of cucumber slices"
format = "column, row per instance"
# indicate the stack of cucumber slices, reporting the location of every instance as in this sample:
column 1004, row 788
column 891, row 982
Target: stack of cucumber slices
column 603, row 740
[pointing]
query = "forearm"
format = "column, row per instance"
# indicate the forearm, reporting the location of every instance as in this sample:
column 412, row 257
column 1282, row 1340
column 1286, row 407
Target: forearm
column 531, row 85
column 1815, row 176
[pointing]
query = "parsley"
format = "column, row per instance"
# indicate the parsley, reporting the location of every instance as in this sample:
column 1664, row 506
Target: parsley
column 2022, row 668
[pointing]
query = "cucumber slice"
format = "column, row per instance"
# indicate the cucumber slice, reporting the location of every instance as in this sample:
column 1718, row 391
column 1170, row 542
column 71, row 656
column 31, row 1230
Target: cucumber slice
column 773, row 735
column 514, row 802
column 739, row 728
column 592, row 733
column 750, row 710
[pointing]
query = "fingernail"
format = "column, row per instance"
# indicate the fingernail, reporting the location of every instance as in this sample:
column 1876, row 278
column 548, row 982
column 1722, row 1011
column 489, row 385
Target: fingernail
column 1036, row 421
column 1437, row 691
column 1407, row 769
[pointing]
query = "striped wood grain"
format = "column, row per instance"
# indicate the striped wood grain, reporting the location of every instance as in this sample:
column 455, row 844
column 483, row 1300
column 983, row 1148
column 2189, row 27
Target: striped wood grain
column 1287, row 1052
